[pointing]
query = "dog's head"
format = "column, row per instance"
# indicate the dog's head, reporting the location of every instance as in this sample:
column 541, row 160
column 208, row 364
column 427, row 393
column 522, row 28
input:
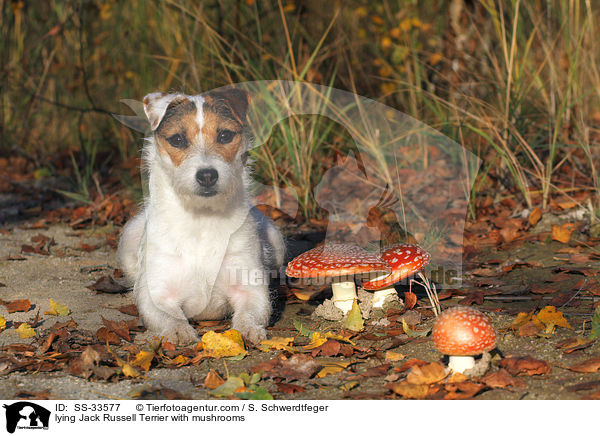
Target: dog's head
column 201, row 142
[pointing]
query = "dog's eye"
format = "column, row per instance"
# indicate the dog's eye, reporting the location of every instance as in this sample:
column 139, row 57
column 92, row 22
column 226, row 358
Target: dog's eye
column 177, row 141
column 225, row 136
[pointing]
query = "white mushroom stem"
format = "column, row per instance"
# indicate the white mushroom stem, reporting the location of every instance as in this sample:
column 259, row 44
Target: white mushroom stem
column 380, row 295
column 344, row 294
column 461, row 363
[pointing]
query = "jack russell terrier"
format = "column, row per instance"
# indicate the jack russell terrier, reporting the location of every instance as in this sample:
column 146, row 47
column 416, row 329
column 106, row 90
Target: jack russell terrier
column 198, row 249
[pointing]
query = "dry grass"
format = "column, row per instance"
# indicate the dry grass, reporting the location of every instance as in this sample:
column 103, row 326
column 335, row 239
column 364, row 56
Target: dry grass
column 516, row 82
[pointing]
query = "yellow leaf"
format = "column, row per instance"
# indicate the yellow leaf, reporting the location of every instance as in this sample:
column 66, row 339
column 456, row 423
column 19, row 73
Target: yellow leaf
column 226, row 344
column 276, row 343
column 552, row 317
column 394, row 357
column 57, row 309
column 129, row 371
column 25, row 331
column 354, row 320
column 332, row 367
column 180, row 360
column 143, row 359
column 523, row 318
column 2, row 323
column 316, row 340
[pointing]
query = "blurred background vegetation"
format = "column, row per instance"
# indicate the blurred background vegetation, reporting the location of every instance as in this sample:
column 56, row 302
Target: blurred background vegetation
column 516, row 82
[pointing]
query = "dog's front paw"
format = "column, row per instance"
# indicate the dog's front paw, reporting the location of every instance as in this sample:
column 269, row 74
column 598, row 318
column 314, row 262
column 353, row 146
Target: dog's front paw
column 253, row 333
column 180, row 334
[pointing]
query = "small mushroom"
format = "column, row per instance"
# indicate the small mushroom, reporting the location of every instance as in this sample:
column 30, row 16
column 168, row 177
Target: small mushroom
column 461, row 333
column 340, row 262
column 404, row 260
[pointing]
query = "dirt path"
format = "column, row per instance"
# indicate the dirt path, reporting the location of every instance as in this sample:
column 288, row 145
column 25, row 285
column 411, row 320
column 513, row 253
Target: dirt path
column 365, row 369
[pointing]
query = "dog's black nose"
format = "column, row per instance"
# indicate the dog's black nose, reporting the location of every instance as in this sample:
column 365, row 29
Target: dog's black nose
column 207, row 177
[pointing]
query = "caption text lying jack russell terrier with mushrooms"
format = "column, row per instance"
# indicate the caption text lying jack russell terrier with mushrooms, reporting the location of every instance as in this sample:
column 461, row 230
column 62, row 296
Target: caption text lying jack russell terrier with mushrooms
column 198, row 230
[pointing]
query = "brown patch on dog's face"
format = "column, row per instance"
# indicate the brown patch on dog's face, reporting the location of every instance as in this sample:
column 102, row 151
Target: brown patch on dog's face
column 221, row 122
column 176, row 132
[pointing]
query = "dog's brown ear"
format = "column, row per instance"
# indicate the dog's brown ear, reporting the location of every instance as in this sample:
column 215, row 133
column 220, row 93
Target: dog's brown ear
column 156, row 104
column 235, row 100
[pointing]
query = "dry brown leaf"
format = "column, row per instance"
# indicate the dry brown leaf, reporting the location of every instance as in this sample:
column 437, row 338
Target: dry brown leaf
column 589, row 365
column 289, row 388
column 463, row 390
column 502, row 379
column 22, row 305
column 120, row 328
column 535, row 216
column 213, row 380
column 409, row 391
column 410, row 299
column 563, row 232
column 574, row 344
column 426, row 374
column 525, row 365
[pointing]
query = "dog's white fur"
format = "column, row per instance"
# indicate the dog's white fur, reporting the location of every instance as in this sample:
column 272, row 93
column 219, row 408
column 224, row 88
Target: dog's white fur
column 195, row 257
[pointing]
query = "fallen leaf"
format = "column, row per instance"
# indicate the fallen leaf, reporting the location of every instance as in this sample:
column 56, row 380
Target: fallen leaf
column 409, row 390
column 228, row 388
column 393, row 356
column 276, row 343
column 108, row 285
column 226, row 344
column 143, row 359
column 463, row 390
column 549, row 315
column 105, row 335
column 22, row 305
column 354, row 320
column 2, row 323
column 535, row 216
column 289, row 388
column 213, row 380
column 57, row 309
column 473, row 297
column 118, row 327
column 25, row 331
column 502, row 379
column 574, row 344
column 524, row 365
column 426, row 374
column 414, row 333
column 589, row 365
column 410, row 300
column 332, row 367
column 316, row 341
column 129, row 309
column 563, row 232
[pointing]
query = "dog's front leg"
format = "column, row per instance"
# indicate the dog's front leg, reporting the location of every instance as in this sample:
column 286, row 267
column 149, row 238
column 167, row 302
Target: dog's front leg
column 162, row 313
column 248, row 295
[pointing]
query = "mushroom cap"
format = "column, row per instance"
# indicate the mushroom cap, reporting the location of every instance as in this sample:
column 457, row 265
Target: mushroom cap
column 335, row 259
column 463, row 331
column 404, row 260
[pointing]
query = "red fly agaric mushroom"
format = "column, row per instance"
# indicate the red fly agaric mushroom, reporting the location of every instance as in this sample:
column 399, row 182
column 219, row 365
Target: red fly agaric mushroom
column 340, row 262
column 461, row 333
column 404, row 260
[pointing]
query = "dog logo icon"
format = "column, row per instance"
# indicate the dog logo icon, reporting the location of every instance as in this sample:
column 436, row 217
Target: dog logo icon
column 26, row 415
